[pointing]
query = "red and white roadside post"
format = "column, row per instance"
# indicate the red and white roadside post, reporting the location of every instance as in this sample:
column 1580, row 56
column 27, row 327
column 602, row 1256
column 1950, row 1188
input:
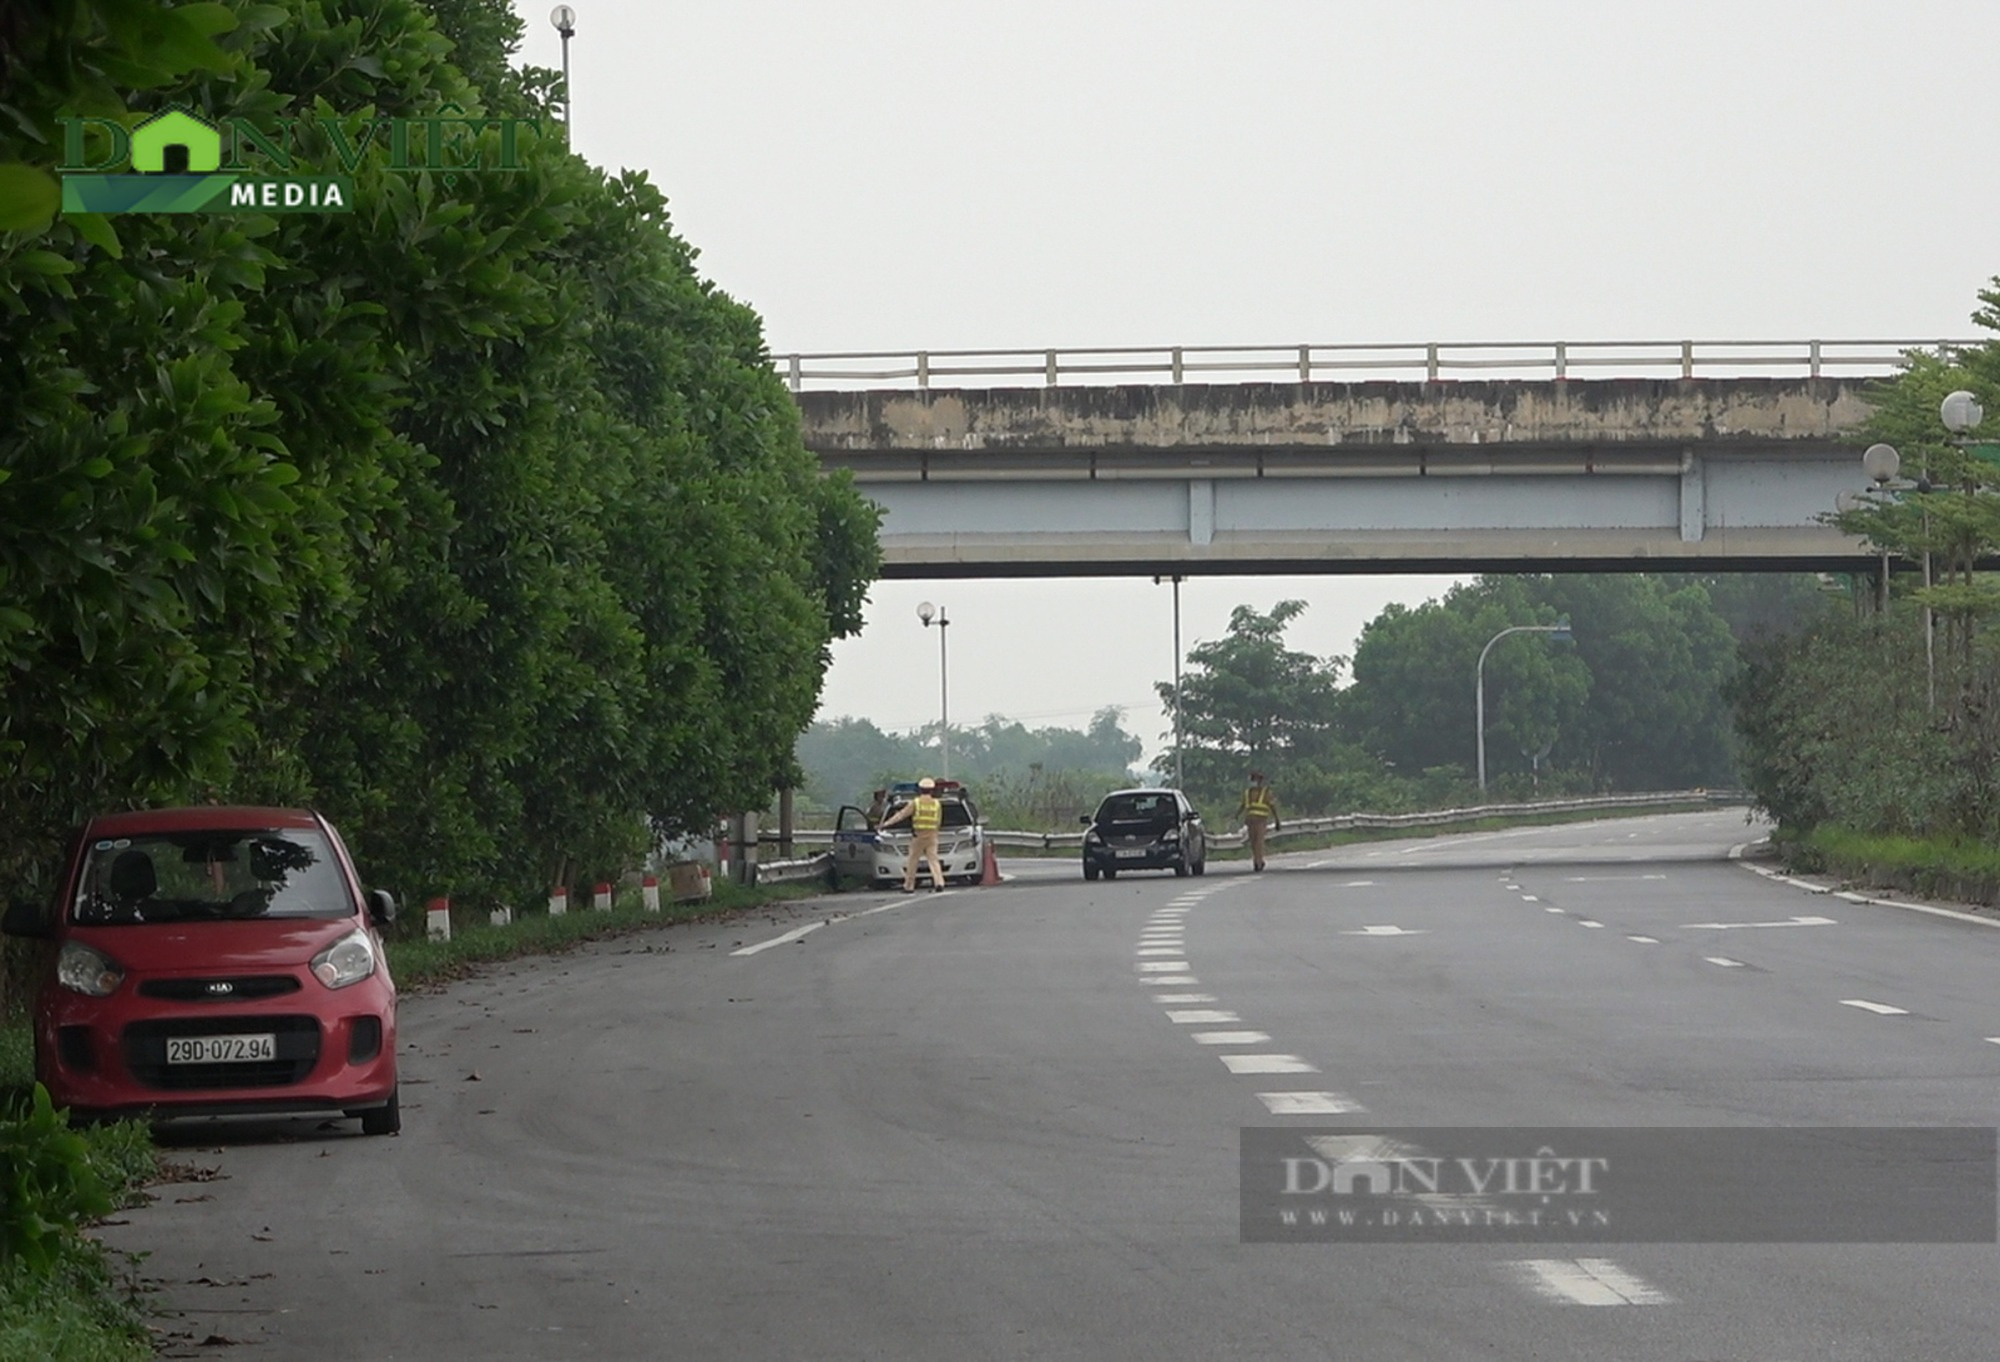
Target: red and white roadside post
column 649, row 890
column 601, row 899
column 437, row 919
column 559, row 900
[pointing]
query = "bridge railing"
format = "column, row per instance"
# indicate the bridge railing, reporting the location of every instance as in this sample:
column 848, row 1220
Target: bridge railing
column 1429, row 361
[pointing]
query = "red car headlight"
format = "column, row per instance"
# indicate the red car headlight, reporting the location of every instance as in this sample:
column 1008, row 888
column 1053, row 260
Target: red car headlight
column 347, row 961
column 92, row 973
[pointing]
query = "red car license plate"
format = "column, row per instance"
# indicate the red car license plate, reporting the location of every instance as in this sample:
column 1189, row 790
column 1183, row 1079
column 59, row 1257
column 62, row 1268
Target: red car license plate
column 221, row 1049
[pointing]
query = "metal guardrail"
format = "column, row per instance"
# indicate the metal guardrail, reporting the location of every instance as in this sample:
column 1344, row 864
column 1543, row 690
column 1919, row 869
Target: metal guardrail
column 796, row 868
column 1343, row 822
column 1430, row 360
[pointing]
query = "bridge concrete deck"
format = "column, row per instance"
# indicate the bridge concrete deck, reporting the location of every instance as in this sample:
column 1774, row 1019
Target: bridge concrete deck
column 1370, row 477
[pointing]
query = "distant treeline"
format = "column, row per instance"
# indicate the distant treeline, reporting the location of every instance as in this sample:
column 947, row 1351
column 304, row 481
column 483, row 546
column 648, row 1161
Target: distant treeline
column 1639, row 698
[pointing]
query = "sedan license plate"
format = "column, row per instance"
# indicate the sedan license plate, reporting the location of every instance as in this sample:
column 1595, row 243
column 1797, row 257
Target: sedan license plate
column 221, row 1049
column 1131, row 853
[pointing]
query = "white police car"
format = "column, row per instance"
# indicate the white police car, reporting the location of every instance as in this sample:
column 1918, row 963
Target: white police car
column 860, row 853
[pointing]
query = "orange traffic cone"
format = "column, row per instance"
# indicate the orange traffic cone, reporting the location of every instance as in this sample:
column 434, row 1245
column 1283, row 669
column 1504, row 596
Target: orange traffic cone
column 989, row 867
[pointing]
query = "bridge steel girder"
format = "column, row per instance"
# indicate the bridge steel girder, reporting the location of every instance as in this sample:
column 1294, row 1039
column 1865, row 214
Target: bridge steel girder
column 1444, row 477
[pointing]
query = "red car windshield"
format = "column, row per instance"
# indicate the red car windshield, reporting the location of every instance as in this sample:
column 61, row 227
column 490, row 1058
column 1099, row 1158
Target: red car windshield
column 210, row 875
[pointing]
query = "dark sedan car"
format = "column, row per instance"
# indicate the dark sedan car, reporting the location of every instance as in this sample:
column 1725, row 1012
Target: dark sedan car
column 1144, row 830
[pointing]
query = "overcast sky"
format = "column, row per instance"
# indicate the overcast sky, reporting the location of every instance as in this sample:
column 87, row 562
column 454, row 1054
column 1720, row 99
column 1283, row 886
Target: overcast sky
column 878, row 175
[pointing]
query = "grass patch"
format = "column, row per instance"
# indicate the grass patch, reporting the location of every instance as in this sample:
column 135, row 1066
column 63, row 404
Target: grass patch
column 69, row 1299
column 77, row 1312
column 1933, row 867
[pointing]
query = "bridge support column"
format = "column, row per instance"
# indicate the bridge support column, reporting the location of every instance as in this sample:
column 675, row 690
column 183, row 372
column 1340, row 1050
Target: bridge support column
column 1201, row 511
column 1694, row 498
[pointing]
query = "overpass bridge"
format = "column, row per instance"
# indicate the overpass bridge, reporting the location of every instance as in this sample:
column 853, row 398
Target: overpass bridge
column 1619, row 456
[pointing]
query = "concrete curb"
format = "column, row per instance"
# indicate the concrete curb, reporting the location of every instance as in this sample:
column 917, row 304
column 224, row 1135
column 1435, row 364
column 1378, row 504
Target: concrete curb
column 1736, row 854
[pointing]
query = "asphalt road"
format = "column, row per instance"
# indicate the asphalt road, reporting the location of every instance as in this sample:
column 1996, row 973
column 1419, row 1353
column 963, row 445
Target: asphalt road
column 1004, row 1123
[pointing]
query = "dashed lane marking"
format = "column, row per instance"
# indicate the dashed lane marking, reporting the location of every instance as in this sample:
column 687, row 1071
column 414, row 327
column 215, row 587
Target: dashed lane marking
column 785, row 940
column 1267, row 1064
column 1209, row 1016
column 1602, row 879
column 1729, row 926
column 1162, row 950
column 1586, row 922
column 1879, row 1009
column 1723, row 961
column 1553, row 909
column 1309, row 1103
column 1645, row 940
column 1162, row 966
column 1231, row 1038
column 1184, row 997
column 1170, row 979
column 1389, row 931
column 1585, row 1281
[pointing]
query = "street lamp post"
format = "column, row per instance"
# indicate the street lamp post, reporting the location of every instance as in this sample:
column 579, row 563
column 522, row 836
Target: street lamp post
column 1177, row 676
column 934, row 614
column 564, row 18
column 1560, row 630
column 1882, row 463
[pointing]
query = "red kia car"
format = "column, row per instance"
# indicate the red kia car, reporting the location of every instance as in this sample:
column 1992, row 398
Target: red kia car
column 215, row 961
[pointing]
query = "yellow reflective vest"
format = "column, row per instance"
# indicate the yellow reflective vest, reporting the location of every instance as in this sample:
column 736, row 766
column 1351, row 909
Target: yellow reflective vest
column 1257, row 802
column 928, row 815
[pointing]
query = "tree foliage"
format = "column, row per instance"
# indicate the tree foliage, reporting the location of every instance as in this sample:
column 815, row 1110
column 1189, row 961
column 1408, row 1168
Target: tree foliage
column 1844, row 724
column 474, row 516
column 1015, row 771
column 1636, row 701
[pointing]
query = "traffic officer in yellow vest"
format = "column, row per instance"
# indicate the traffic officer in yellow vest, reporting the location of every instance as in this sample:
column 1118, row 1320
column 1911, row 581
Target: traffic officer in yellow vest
column 925, row 813
column 1259, row 811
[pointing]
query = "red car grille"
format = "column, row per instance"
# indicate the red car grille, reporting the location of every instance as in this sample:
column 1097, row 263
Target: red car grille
column 220, row 990
column 146, row 1053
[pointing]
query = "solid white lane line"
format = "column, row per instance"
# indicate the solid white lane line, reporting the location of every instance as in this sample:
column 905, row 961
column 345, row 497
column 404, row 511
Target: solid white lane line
column 1162, row 966
column 1230, row 1038
column 1723, row 961
column 1267, row 1064
column 1183, row 997
column 1212, row 1016
column 1879, row 1009
column 785, row 940
column 1309, row 1103
column 1586, row 1281
column 1645, row 940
